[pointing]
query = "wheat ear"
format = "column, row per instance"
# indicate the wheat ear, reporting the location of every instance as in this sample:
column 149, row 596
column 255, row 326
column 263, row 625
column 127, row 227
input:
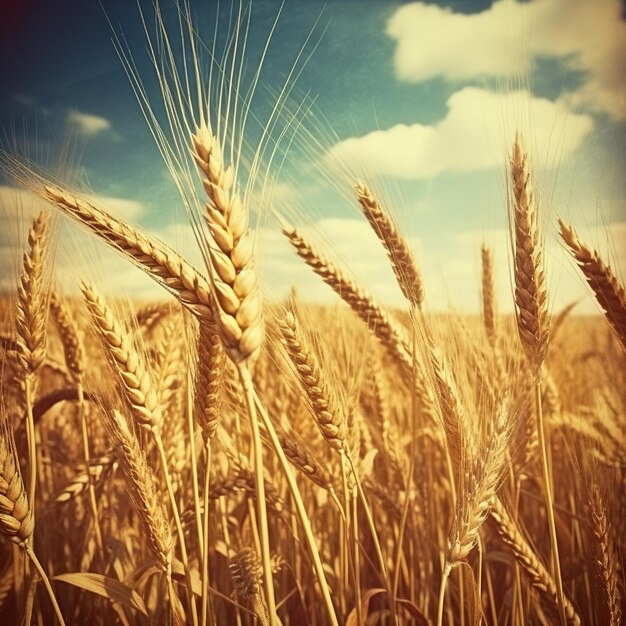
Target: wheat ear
column 330, row 422
column 403, row 263
column 142, row 488
column 17, row 521
column 239, row 311
column 606, row 556
column 129, row 364
column 303, row 458
column 452, row 411
column 539, row 576
column 68, row 332
column 480, row 487
column 161, row 263
column 208, row 384
column 140, row 395
column 30, row 319
column 607, row 289
column 531, row 296
column 488, row 295
column 357, row 299
column 533, row 320
column 30, row 322
column 246, row 572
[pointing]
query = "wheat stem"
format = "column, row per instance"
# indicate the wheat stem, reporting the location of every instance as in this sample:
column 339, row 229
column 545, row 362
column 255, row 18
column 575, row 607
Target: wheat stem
column 46, row 581
column 301, row 511
column 549, row 501
column 257, row 460
column 447, row 568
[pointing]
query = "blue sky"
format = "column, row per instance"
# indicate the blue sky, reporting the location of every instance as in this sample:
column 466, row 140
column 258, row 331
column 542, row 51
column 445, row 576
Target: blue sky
column 420, row 99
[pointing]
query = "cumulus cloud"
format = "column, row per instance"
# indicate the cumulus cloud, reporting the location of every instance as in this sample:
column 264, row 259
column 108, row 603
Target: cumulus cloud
column 505, row 39
column 475, row 134
column 87, row 124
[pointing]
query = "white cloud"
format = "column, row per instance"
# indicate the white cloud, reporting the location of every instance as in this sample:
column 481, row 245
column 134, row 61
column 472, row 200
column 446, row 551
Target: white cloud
column 350, row 244
column 78, row 255
column 475, row 134
column 503, row 40
column 125, row 208
column 450, row 262
column 566, row 283
column 87, row 123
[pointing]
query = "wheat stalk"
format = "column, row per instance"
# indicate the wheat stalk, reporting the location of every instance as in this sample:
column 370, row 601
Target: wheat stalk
column 237, row 302
column 30, row 322
column 533, row 320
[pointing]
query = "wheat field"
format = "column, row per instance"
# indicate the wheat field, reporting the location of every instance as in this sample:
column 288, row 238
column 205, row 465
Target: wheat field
column 219, row 457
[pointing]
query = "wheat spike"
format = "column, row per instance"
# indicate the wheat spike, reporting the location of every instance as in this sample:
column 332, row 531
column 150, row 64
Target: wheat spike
column 142, row 488
column 403, row 263
column 72, row 347
column 30, row 319
column 607, row 289
column 208, row 386
column 480, row 485
column 539, row 576
column 17, row 521
column 237, row 292
column 359, row 301
column 607, row 558
column 161, row 263
column 246, row 572
column 129, row 364
column 331, row 424
column 531, row 296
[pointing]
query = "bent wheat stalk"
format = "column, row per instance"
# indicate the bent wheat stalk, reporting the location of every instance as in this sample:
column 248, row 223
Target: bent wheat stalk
column 141, row 397
column 533, row 319
column 236, row 303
